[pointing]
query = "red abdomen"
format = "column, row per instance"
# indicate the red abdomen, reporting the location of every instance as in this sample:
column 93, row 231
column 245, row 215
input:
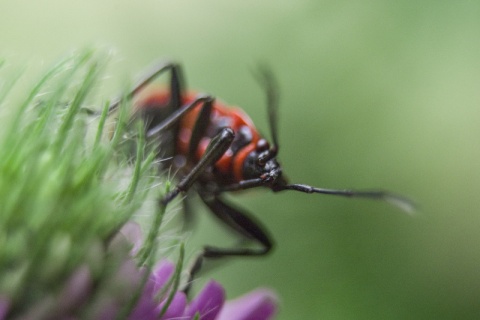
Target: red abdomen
column 230, row 165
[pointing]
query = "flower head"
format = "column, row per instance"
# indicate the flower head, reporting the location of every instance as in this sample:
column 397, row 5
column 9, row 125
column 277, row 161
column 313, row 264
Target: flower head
column 209, row 304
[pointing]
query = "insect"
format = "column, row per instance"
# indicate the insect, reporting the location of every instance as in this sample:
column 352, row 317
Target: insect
column 217, row 149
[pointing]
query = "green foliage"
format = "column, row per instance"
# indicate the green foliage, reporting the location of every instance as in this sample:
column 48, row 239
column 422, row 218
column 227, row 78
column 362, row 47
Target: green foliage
column 62, row 197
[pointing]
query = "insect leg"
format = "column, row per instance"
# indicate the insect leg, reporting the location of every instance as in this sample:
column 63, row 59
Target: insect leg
column 215, row 150
column 189, row 214
column 239, row 221
column 198, row 132
column 173, row 119
column 242, row 185
column 201, row 124
column 176, row 84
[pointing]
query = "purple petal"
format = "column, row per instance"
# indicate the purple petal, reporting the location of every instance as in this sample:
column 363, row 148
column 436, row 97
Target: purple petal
column 145, row 309
column 144, row 312
column 176, row 308
column 162, row 274
column 4, row 305
column 257, row 305
column 208, row 302
column 147, row 305
column 129, row 277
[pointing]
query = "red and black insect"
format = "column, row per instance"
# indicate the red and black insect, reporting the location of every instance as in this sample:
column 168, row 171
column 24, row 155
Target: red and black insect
column 217, row 149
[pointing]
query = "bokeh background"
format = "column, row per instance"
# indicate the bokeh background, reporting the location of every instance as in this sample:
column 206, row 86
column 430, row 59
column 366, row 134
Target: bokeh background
column 375, row 93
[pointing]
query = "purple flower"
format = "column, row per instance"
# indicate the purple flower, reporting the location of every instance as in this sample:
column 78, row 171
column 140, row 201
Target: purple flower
column 209, row 304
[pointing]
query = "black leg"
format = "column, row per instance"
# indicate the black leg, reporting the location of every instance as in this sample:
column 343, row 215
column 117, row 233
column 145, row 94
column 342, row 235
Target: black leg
column 239, row 221
column 173, row 119
column 176, row 85
column 242, row 185
column 215, row 150
column 198, row 132
column 189, row 214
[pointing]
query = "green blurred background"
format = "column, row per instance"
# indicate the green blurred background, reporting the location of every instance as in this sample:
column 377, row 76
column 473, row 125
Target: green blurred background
column 375, row 93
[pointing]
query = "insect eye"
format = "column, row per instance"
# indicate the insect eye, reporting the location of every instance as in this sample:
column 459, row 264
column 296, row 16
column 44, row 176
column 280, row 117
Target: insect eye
column 262, row 145
column 262, row 159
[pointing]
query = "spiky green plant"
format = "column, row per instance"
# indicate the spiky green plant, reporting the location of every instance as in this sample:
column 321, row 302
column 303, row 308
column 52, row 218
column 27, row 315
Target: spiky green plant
column 62, row 197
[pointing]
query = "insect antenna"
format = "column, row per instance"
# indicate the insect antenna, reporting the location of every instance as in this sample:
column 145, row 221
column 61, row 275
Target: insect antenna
column 400, row 202
column 269, row 83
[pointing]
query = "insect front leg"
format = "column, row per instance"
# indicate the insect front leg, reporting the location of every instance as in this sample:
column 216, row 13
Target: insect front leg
column 241, row 222
column 201, row 124
column 215, row 150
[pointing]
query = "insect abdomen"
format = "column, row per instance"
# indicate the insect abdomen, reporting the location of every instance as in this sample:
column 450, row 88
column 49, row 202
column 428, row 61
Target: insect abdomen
column 222, row 116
